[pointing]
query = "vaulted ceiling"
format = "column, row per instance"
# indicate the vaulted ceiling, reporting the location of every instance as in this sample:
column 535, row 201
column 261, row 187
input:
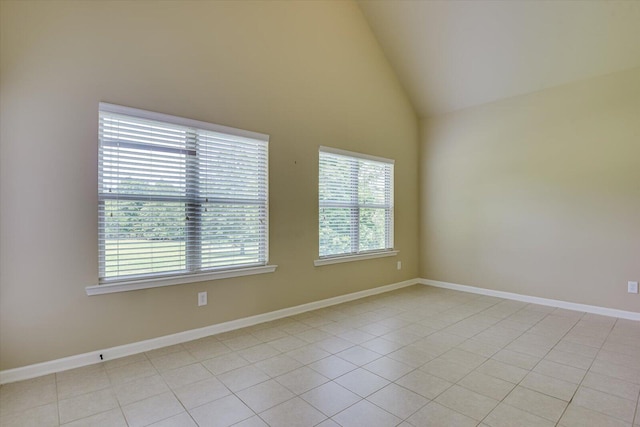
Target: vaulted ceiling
column 451, row 54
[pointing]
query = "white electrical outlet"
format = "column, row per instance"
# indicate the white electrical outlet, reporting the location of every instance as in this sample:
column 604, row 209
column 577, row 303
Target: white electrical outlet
column 399, row 265
column 202, row 298
column 632, row 287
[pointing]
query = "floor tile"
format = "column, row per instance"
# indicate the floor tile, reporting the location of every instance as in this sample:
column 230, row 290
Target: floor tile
column 381, row 346
column 293, row 327
column 301, row 380
column 265, row 395
column 111, row 418
column 180, row 420
column 480, row 347
column 40, row 416
column 173, row 360
column 362, row 382
column 288, row 343
column 329, row 423
column 86, row 405
column 308, row 354
column 223, row 412
column 424, row 384
column 562, row 372
column 258, row 352
column 269, row 334
column 577, row 416
column 535, row 350
column 196, row 394
column 595, row 342
column 521, row 360
column 398, row 400
column 464, row 357
column 575, row 348
column 241, row 342
column 550, row 386
column 356, row 336
column 620, row 372
column 508, row 416
column 358, row 355
column 332, row 367
column 22, row 395
column 241, row 378
column 206, row 348
column 186, row 375
column 139, row 389
column 619, row 358
column 76, row 385
column 225, row 363
column 506, row 372
column 388, row 368
column 446, row 369
column 486, row 385
column 278, row 365
column 467, row 402
column 130, row 372
column 365, row 414
column 402, row 337
column 122, row 361
column 605, row 403
column 397, row 350
column 254, row 421
column 570, row 359
column 436, row 415
column 334, row 344
column 445, row 338
column 330, row 398
column 163, row 351
column 313, row 335
column 293, row 413
column 623, row 347
column 536, row 403
column 152, row 409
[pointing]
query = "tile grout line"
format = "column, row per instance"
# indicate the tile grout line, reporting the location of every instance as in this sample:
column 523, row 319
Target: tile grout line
column 454, row 347
column 586, row 370
column 537, row 363
column 375, row 312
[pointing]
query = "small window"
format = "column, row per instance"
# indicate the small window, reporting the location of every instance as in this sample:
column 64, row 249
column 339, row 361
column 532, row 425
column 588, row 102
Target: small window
column 178, row 196
column 355, row 203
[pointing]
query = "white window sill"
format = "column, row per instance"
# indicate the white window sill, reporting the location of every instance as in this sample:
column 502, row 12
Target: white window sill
column 134, row 285
column 349, row 258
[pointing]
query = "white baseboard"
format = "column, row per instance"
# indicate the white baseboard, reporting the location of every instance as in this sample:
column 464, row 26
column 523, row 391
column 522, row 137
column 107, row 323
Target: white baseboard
column 93, row 357
column 612, row 312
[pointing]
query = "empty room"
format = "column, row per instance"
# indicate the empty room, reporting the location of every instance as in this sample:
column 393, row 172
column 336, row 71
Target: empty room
column 319, row 213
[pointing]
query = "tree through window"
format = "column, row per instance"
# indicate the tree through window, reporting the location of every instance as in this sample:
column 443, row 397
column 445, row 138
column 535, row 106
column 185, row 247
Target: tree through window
column 178, row 196
column 355, row 203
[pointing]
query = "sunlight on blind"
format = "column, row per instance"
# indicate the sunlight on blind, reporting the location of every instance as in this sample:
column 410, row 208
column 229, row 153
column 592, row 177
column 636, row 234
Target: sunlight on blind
column 178, row 198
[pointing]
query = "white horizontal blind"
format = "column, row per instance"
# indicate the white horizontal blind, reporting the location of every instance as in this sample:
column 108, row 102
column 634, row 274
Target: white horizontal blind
column 356, row 203
column 178, row 196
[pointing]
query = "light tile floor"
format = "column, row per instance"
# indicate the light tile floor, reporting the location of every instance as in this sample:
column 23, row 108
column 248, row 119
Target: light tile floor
column 419, row 356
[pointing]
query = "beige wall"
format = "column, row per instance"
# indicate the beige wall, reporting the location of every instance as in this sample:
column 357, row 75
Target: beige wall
column 306, row 73
column 538, row 194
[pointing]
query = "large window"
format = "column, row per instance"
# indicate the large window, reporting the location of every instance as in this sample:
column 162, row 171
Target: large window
column 178, row 196
column 356, row 203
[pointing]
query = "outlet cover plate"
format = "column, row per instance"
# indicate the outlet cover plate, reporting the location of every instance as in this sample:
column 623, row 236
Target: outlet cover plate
column 632, row 287
column 202, row 298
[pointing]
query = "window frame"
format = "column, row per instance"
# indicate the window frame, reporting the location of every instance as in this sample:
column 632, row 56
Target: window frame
column 389, row 206
column 191, row 199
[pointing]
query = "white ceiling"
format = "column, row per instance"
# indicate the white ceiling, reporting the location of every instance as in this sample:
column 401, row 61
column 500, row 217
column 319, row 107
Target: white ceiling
column 451, row 55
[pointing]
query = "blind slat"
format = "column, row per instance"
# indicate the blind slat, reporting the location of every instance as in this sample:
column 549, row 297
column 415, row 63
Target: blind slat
column 355, row 195
column 178, row 199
